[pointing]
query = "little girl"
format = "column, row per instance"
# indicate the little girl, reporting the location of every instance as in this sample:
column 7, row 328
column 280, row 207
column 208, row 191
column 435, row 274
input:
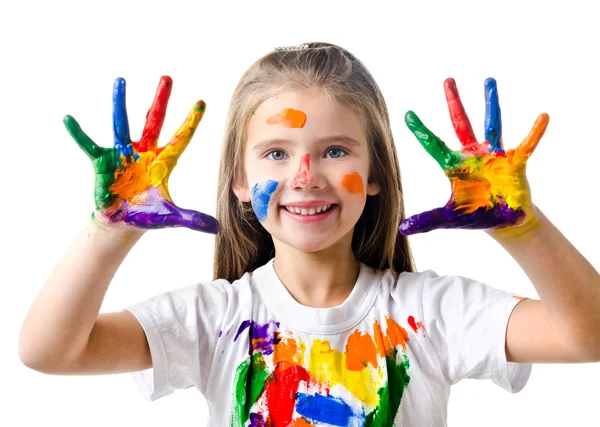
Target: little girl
column 316, row 315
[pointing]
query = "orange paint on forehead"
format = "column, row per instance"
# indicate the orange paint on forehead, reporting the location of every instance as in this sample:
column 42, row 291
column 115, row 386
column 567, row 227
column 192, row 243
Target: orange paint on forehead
column 288, row 117
column 353, row 183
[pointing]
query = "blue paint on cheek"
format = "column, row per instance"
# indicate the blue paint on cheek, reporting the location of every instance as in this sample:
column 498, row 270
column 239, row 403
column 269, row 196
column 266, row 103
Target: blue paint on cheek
column 327, row 409
column 261, row 194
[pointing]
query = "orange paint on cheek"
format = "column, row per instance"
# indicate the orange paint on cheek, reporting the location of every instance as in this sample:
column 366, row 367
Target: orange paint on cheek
column 360, row 351
column 353, row 183
column 288, row 117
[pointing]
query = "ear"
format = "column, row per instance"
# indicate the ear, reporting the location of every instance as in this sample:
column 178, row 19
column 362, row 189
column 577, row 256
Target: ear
column 241, row 190
column 373, row 189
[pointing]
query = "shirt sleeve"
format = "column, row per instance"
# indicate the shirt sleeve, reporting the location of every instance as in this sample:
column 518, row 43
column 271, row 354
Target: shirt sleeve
column 466, row 322
column 182, row 328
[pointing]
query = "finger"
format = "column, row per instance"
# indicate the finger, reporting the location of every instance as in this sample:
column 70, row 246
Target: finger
column 90, row 148
column 458, row 116
column 158, row 212
column 174, row 149
column 120, row 121
column 500, row 215
column 156, row 116
column 445, row 157
column 493, row 117
column 529, row 144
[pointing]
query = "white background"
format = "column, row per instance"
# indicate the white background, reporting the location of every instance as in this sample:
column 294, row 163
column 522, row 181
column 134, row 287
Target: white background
column 61, row 57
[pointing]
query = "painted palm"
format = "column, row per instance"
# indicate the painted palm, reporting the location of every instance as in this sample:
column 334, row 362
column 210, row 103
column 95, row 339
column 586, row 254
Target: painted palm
column 489, row 186
column 131, row 178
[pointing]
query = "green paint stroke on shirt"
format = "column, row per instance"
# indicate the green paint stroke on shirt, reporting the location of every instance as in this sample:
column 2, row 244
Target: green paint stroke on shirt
column 250, row 378
column 390, row 395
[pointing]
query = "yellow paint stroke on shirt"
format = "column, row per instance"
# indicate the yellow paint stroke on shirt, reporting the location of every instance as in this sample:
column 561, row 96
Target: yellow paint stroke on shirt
column 288, row 117
column 329, row 366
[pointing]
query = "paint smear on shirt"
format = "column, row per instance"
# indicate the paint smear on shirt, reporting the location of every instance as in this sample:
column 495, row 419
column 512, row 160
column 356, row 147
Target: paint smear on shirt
column 261, row 194
column 353, row 183
column 288, row 117
column 417, row 327
column 277, row 386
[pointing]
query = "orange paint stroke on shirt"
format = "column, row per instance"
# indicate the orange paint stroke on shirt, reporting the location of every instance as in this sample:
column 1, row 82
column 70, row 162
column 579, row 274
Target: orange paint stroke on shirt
column 288, row 350
column 288, row 117
column 395, row 335
column 353, row 183
column 302, row 422
column 360, row 351
column 519, row 297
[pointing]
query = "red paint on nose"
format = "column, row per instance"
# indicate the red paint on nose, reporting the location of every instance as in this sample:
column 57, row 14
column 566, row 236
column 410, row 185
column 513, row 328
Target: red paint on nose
column 304, row 175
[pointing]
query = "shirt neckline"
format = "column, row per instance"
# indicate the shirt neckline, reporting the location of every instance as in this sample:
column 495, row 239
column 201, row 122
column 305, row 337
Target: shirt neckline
column 330, row 320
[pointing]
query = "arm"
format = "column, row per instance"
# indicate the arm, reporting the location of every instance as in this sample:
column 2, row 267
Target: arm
column 63, row 322
column 569, row 289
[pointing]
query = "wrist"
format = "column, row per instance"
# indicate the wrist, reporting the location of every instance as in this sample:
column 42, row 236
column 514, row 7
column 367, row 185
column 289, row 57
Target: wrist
column 120, row 230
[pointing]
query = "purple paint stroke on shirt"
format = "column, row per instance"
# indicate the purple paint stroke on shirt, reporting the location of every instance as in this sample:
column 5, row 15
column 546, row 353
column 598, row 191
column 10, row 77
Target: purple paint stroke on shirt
column 263, row 338
column 256, row 420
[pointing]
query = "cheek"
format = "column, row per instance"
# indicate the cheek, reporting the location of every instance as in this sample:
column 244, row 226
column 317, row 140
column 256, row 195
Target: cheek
column 261, row 195
column 353, row 183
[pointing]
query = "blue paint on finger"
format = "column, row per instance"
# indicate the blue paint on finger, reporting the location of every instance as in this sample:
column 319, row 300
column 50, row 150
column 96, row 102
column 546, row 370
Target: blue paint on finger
column 120, row 121
column 261, row 194
column 493, row 117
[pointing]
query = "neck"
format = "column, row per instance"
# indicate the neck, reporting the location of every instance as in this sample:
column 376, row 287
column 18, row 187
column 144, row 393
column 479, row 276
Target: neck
column 320, row 279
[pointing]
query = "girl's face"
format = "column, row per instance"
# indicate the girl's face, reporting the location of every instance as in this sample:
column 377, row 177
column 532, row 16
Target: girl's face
column 307, row 167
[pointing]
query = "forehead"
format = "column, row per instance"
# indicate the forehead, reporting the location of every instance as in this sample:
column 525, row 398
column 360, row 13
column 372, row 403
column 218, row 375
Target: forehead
column 283, row 115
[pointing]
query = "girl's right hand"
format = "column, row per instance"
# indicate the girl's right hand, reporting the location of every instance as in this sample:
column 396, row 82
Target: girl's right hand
column 131, row 183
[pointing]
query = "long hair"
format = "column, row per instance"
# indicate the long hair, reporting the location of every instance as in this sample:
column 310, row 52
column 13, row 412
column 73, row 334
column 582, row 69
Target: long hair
column 242, row 244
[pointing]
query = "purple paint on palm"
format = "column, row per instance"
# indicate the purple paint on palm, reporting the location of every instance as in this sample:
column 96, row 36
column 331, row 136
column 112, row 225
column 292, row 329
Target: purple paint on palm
column 262, row 337
column 448, row 217
column 159, row 212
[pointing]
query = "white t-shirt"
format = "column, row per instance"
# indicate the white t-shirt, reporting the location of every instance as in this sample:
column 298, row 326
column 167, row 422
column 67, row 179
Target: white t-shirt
column 386, row 356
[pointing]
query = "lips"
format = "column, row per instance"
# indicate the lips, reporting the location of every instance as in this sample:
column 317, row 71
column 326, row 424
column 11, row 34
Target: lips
column 308, row 211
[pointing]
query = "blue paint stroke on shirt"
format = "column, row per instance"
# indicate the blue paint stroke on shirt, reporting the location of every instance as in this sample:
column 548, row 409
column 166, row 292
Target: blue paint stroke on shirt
column 261, row 194
column 326, row 409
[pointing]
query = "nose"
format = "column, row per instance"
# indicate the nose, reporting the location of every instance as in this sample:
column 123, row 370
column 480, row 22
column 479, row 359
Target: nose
column 304, row 177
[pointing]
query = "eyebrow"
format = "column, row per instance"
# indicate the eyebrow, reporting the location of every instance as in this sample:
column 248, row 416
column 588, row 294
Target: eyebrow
column 326, row 140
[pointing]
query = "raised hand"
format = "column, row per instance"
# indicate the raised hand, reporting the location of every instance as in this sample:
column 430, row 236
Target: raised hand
column 131, row 183
column 489, row 186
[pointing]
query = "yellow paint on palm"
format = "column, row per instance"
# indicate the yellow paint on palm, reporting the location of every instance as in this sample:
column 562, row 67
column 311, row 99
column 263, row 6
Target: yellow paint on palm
column 327, row 365
column 481, row 180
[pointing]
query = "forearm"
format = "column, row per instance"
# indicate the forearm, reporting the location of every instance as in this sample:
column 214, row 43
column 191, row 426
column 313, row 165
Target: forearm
column 60, row 319
column 567, row 284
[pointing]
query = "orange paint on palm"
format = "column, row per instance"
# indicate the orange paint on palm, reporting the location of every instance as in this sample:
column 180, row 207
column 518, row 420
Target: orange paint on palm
column 360, row 351
column 288, row 117
column 132, row 179
column 353, row 183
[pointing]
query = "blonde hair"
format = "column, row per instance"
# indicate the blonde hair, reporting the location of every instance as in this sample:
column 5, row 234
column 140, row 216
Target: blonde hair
column 242, row 243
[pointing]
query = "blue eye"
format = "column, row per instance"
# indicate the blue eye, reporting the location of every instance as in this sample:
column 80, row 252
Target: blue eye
column 276, row 155
column 337, row 152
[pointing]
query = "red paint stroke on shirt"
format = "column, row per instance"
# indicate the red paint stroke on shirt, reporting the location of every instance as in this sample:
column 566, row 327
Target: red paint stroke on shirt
column 281, row 393
column 417, row 327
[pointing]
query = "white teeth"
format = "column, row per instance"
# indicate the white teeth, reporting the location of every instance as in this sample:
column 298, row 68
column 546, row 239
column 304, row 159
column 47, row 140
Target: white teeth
column 311, row 211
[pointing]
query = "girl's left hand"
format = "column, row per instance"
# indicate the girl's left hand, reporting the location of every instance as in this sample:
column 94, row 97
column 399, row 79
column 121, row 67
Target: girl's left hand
column 489, row 186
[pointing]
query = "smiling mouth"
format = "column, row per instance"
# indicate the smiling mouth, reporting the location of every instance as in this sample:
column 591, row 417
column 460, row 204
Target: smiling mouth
column 314, row 211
